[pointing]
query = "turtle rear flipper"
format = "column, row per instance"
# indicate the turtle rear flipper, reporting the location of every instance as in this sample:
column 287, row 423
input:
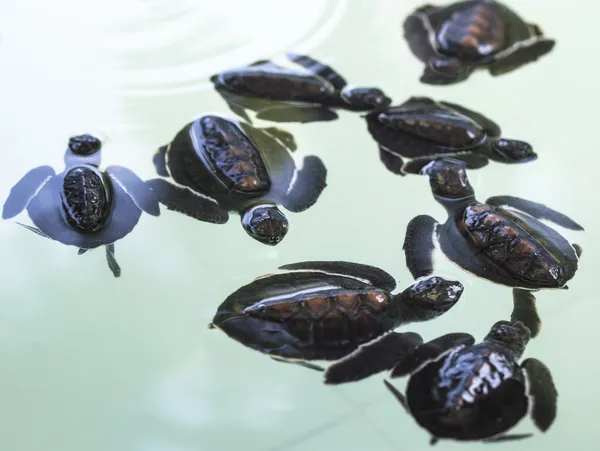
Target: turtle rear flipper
column 297, row 113
column 185, row 201
column 21, row 194
column 160, row 161
column 371, row 358
column 522, row 54
column 320, row 69
column 491, row 128
column 376, row 276
column 137, row 189
column 535, row 209
column 525, row 310
column 543, row 392
column 419, row 245
column 430, row 350
column 308, row 186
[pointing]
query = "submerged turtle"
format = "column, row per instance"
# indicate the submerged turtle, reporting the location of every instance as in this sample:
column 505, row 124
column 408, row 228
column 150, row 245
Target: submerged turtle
column 422, row 130
column 305, row 94
column 457, row 39
column 476, row 392
column 501, row 240
column 82, row 206
column 326, row 310
column 222, row 165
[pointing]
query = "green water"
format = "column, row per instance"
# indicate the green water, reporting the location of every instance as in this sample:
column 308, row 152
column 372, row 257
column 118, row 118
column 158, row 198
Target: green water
column 94, row 363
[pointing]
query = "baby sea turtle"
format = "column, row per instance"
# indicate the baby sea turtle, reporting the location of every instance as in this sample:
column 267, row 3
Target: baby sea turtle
column 220, row 164
column 457, row 39
column 476, row 392
column 501, row 240
column 325, row 310
column 82, row 206
column 422, row 130
column 307, row 93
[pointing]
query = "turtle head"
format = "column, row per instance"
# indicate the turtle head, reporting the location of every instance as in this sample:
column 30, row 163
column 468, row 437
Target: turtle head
column 265, row 223
column 512, row 151
column 365, row 98
column 432, row 296
column 445, row 71
column 84, row 148
column 448, row 178
column 511, row 335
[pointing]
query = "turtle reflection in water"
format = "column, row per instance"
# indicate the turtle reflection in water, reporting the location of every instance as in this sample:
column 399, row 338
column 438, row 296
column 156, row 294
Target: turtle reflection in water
column 326, row 310
column 501, row 240
column 455, row 40
column 308, row 93
column 220, row 164
column 82, row 206
column 476, row 392
column 422, row 130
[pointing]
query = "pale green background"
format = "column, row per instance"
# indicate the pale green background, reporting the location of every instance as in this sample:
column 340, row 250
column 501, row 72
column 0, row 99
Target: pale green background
column 93, row 363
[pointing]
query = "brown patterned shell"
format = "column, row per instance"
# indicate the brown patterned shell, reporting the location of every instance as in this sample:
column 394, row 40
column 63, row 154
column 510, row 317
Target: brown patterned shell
column 233, row 158
column 474, row 32
column 330, row 316
column 511, row 245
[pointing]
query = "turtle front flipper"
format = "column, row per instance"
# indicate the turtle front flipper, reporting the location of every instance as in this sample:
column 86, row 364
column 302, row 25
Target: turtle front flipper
column 521, row 55
column 136, row 188
column 416, row 33
column 308, row 186
column 375, row 276
column 525, row 310
column 34, row 230
column 112, row 261
column 319, row 69
column 506, row 438
column 491, row 128
column 160, row 161
column 419, row 245
column 286, row 138
column 535, row 209
column 21, row 194
column 394, row 163
column 371, row 358
column 297, row 113
column 185, row 201
column 543, row 391
column 430, row 350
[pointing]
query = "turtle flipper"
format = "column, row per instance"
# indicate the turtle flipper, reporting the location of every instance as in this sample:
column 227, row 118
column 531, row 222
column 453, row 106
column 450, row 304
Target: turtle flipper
column 34, row 230
column 522, row 54
column 506, row 438
column 417, row 35
column 297, row 113
column 160, row 161
column 377, row 277
column 21, row 194
column 308, row 365
column 185, row 201
column 137, row 189
column 308, row 186
column 371, row 358
column 318, row 68
column 419, row 245
column 578, row 249
column 537, row 210
column 474, row 161
column 112, row 261
column 286, row 138
column 430, row 350
column 490, row 126
column 543, row 391
column 524, row 310
column 392, row 162
column 82, row 250
column 397, row 394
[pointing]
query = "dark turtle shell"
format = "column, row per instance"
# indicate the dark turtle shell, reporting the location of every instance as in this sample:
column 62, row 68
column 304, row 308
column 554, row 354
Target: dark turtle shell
column 306, row 315
column 518, row 244
column 471, row 393
column 474, row 32
column 86, row 198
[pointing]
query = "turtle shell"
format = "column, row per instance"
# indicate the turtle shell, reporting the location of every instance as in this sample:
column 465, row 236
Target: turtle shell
column 86, row 198
column 231, row 156
column 474, row 32
column 275, row 83
column 471, row 393
column 523, row 247
column 322, row 316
